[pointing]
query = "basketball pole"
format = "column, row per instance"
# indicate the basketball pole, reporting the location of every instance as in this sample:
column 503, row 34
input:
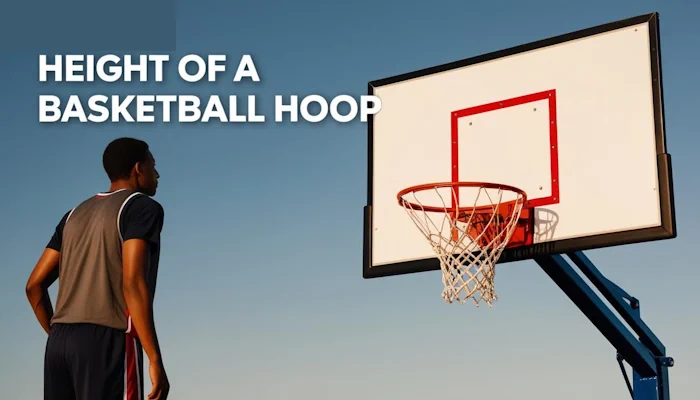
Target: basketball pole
column 644, row 353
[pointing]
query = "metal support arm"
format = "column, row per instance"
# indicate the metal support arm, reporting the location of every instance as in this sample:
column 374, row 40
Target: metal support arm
column 646, row 354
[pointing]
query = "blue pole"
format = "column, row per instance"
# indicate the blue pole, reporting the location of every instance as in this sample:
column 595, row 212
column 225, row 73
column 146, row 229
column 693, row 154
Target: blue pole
column 645, row 353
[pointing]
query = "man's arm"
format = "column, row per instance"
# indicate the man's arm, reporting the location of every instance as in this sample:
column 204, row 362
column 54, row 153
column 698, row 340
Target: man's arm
column 138, row 299
column 140, row 304
column 44, row 274
column 141, row 224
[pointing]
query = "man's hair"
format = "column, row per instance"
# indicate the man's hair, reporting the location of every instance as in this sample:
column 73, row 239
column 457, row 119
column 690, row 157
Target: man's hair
column 121, row 155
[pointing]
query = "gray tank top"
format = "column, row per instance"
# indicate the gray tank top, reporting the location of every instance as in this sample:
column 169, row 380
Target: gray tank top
column 90, row 266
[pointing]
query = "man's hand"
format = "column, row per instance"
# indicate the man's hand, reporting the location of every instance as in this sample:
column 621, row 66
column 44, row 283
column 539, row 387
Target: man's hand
column 159, row 381
column 44, row 274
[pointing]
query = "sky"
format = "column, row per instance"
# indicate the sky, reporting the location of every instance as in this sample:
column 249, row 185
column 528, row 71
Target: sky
column 260, row 294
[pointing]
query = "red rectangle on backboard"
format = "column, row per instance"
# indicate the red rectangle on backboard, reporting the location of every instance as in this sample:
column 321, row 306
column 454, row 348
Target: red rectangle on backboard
column 550, row 96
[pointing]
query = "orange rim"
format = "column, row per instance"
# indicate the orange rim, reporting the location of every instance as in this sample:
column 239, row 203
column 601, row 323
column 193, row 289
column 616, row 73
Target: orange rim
column 453, row 209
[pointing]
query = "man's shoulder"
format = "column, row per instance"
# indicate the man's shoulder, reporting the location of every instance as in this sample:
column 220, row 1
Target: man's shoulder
column 144, row 211
column 142, row 218
column 141, row 202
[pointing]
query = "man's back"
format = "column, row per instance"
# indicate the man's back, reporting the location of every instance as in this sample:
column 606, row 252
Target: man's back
column 90, row 275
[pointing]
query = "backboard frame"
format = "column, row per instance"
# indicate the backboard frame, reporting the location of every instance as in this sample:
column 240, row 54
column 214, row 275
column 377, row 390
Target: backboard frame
column 667, row 228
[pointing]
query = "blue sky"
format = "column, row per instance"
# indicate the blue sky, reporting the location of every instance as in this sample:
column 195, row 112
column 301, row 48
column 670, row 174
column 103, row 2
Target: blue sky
column 261, row 293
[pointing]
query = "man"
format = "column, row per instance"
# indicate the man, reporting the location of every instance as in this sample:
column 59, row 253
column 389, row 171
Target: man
column 105, row 254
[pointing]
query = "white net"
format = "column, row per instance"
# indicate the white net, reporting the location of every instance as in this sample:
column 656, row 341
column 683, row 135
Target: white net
column 468, row 240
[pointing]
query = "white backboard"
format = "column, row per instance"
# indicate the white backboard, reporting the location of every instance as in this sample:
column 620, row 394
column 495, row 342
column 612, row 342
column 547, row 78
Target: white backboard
column 575, row 121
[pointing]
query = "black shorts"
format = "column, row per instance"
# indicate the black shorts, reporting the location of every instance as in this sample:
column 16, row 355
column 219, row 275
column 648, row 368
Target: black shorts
column 90, row 362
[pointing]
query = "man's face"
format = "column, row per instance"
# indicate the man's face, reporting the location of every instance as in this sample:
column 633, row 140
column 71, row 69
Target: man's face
column 148, row 176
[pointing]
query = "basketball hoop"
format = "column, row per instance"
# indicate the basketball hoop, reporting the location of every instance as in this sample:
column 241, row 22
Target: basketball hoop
column 468, row 240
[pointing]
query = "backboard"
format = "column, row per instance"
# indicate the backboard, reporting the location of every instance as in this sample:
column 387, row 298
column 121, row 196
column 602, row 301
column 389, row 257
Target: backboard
column 575, row 121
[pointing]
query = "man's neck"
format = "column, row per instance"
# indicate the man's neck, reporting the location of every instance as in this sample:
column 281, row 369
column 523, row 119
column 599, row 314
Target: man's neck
column 122, row 185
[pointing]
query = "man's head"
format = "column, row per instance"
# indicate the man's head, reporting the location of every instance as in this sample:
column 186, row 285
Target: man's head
column 129, row 161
